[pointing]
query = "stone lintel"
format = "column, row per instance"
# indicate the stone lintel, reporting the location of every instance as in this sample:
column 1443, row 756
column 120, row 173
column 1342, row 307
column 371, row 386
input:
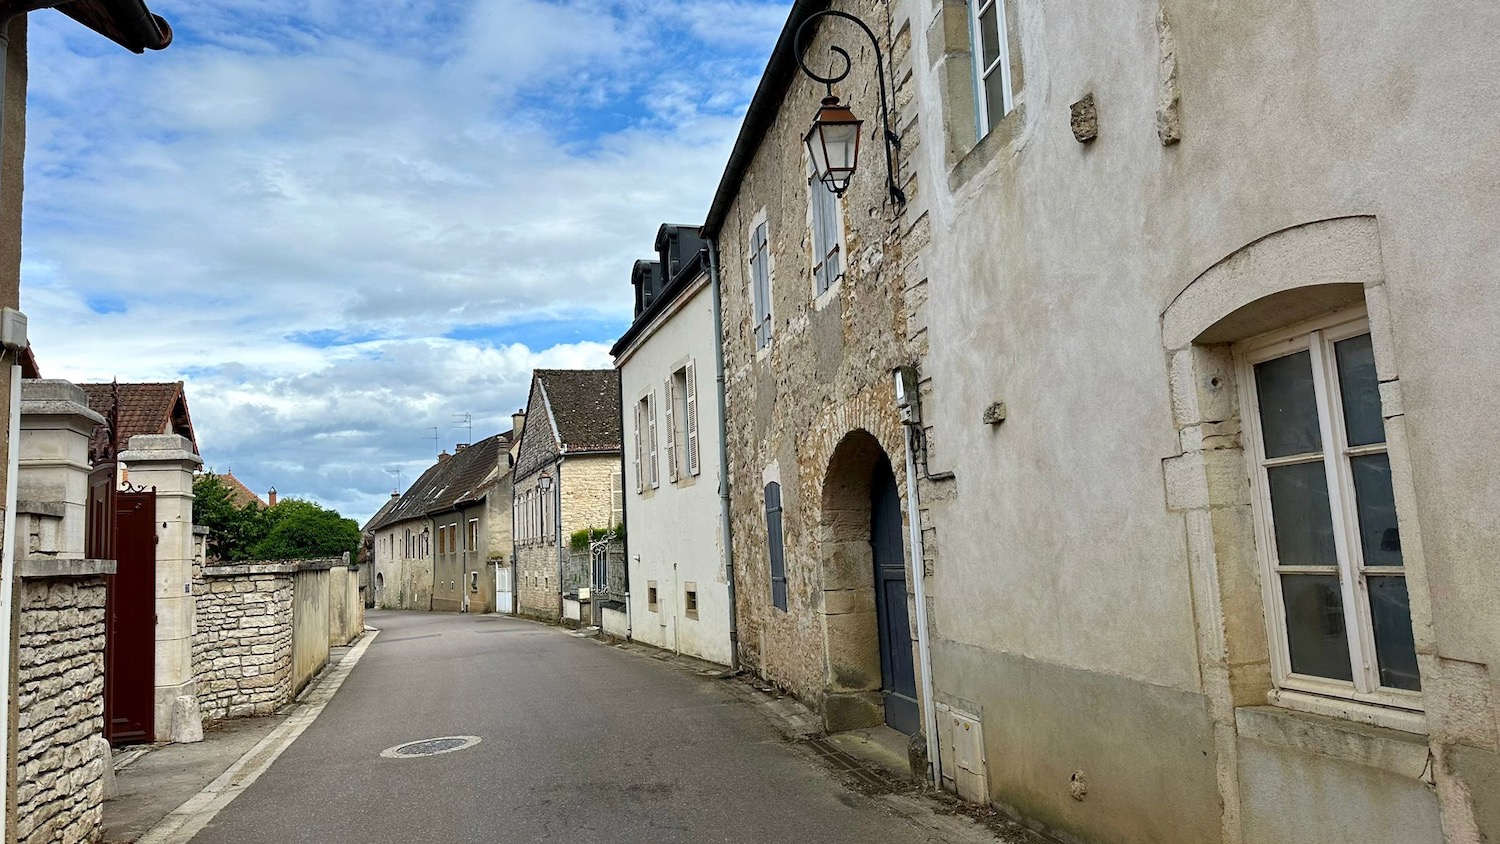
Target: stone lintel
column 42, row 568
column 55, row 509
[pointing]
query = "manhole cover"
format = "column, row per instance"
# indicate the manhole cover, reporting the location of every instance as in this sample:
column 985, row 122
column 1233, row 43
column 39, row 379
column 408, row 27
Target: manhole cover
column 430, row 747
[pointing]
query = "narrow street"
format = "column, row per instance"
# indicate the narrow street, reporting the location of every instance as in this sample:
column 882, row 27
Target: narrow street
column 578, row 742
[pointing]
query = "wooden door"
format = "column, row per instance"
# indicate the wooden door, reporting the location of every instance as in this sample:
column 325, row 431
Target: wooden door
column 898, row 675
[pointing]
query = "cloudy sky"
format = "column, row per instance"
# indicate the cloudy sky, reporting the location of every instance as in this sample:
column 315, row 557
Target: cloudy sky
column 342, row 222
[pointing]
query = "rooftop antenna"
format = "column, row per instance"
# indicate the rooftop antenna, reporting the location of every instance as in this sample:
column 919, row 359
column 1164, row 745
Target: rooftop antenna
column 465, row 420
column 435, row 441
column 399, row 482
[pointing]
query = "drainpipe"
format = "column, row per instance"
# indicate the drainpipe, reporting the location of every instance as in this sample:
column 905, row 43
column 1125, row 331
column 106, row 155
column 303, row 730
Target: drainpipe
column 557, row 527
column 724, row 525
column 906, row 400
column 8, row 581
column 624, row 517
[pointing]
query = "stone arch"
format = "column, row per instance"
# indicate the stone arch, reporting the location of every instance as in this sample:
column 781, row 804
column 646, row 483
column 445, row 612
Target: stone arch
column 851, row 636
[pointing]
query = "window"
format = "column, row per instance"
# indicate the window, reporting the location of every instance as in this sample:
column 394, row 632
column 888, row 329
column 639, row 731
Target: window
column 473, row 535
column 690, row 599
column 992, row 61
column 617, row 498
column 640, row 445
column 760, row 283
column 651, row 603
column 410, row 550
column 442, row 535
column 682, row 423
column 650, row 401
column 1339, row 616
column 826, row 227
column 776, row 544
column 674, row 418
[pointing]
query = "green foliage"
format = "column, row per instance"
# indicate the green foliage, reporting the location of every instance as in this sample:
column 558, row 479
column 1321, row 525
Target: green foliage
column 298, row 529
column 293, row 529
column 231, row 530
column 580, row 539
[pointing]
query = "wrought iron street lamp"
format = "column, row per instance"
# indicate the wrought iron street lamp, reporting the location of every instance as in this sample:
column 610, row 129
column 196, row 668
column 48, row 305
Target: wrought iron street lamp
column 545, row 481
column 833, row 140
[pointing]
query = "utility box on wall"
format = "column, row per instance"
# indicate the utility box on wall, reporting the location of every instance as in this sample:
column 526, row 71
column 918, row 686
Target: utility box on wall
column 963, row 760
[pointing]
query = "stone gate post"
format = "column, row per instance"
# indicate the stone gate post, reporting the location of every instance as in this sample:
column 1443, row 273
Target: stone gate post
column 167, row 462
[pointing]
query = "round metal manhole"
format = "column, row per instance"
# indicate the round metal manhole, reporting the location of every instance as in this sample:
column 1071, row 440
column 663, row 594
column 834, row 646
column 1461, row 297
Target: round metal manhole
column 430, row 747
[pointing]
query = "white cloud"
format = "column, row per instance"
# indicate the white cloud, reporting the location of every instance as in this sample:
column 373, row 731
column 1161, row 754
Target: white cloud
column 390, row 173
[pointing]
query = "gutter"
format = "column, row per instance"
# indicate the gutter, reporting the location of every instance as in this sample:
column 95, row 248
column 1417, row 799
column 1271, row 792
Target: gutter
column 725, row 528
column 919, row 579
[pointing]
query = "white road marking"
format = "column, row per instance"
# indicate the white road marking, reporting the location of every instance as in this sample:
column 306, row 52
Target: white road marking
column 191, row 817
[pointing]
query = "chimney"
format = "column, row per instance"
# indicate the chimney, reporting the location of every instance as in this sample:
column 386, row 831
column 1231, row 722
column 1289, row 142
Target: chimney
column 271, row 496
column 443, row 457
column 460, row 447
column 395, row 494
column 517, row 421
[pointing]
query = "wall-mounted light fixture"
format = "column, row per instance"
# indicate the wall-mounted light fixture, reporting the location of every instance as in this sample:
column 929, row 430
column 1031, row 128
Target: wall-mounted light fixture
column 833, row 140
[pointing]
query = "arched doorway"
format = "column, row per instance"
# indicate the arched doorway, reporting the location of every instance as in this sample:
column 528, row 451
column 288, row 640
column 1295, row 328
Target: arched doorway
column 871, row 675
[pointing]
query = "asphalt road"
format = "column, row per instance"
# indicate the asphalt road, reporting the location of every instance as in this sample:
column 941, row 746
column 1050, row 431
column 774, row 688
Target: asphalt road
column 579, row 743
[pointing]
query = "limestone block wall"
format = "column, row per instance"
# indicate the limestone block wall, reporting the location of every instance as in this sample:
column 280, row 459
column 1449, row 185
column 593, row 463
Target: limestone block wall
column 536, row 581
column 588, row 484
column 60, row 682
column 242, row 649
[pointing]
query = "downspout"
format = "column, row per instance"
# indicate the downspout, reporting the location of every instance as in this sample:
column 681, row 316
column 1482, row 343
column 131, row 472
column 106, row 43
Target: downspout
column 724, row 522
column 557, row 526
column 8, row 615
column 624, row 514
column 910, row 419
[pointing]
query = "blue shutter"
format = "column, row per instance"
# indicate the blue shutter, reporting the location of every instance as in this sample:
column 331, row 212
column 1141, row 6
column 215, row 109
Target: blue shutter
column 776, row 545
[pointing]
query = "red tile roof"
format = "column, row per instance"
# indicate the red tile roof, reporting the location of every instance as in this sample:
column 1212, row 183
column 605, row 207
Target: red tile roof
column 239, row 494
column 152, row 408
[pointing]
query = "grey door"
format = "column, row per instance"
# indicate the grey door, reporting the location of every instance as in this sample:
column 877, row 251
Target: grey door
column 897, row 675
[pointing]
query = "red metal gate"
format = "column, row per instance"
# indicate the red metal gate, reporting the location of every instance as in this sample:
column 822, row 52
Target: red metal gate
column 122, row 527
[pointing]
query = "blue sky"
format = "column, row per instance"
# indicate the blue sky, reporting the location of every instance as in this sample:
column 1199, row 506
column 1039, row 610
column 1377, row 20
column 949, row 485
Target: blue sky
column 343, row 222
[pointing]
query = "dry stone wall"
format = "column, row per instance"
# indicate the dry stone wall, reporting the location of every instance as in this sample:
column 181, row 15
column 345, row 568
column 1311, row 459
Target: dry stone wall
column 59, row 764
column 242, row 650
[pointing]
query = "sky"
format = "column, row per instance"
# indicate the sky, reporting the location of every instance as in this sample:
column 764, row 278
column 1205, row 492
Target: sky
column 344, row 224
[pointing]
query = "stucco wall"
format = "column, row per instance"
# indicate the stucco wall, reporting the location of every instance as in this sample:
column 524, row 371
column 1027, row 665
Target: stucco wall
column 672, row 531
column 825, row 375
column 346, row 612
column 310, row 606
column 60, row 693
column 1058, row 551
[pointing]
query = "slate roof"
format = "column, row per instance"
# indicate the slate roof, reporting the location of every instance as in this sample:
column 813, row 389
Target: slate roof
column 584, row 407
column 460, row 479
column 150, row 408
column 380, row 514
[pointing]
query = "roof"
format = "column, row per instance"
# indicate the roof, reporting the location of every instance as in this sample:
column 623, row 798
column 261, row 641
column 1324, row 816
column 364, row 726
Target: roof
column 239, row 494
column 583, row 406
column 454, row 481
column 126, row 22
column 150, row 408
column 380, row 514
column 781, row 69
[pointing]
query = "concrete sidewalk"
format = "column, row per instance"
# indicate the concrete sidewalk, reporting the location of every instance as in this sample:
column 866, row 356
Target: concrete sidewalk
column 152, row 781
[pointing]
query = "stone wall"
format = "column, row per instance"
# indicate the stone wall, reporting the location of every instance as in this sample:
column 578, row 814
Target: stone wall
column 60, row 679
column 588, row 484
column 242, row 649
column 536, row 581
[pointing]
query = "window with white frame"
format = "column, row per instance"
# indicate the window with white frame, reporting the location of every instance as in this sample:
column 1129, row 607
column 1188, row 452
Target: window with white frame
column 1337, row 608
column 827, row 228
column 682, row 423
column 760, row 283
column 647, row 474
column 992, row 61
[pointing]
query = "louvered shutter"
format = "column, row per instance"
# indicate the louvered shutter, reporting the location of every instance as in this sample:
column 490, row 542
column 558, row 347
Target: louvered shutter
column 640, row 480
column 691, row 409
column 651, row 443
column 671, row 396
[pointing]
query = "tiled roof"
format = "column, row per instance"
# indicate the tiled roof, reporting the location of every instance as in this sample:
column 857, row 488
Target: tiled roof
column 150, row 408
column 452, row 481
column 380, row 514
column 239, row 494
column 584, row 405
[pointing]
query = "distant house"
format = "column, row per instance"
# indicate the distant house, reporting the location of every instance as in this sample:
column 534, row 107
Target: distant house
column 568, row 478
column 680, row 595
column 239, row 494
column 437, row 547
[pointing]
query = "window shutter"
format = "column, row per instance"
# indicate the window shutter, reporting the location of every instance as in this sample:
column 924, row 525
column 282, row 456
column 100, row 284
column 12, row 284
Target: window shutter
column 775, row 545
column 671, row 397
column 651, row 443
column 691, row 409
column 640, row 482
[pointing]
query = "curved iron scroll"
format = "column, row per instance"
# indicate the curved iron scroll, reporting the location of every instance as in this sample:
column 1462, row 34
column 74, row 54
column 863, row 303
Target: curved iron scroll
column 891, row 138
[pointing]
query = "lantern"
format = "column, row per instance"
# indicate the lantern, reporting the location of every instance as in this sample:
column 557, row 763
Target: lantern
column 833, row 143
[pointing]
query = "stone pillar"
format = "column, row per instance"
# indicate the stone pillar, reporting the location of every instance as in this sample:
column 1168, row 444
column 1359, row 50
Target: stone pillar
column 52, row 488
column 167, row 462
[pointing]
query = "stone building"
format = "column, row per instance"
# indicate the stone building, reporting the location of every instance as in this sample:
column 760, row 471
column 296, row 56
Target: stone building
column 815, row 324
column 680, row 598
column 568, row 478
column 436, row 546
column 1214, row 360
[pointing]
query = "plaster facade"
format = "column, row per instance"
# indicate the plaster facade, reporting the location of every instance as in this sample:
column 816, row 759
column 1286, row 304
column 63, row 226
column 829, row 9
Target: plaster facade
column 1097, row 602
column 671, row 548
column 814, row 409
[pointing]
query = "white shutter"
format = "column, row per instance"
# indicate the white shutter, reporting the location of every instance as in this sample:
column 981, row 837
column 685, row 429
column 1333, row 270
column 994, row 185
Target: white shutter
column 671, row 396
column 640, row 482
column 691, row 409
column 651, row 443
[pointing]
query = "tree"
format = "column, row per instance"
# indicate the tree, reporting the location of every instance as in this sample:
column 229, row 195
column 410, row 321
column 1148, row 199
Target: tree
column 298, row 529
column 231, row 530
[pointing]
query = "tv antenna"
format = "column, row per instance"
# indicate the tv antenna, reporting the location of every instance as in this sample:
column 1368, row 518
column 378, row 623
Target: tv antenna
column 399, row 482
column 435, row 441
column 465, row 420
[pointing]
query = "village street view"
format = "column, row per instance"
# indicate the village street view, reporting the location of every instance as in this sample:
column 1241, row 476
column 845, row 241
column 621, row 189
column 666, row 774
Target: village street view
column 897, row 421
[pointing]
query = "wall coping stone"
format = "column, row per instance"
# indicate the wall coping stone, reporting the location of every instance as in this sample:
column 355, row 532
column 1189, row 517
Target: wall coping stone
column 268, row 567
column 55, row 509
column 200, row 530
column 43, row 568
